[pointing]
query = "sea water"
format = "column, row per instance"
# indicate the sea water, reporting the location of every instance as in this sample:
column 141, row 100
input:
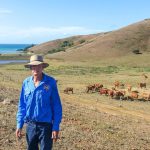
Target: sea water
column 12, row 48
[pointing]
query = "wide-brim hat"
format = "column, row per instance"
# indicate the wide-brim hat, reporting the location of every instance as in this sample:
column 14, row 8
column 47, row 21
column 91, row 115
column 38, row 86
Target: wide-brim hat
column 36, row 60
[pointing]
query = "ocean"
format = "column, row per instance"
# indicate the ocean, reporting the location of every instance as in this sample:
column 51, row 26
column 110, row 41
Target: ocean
column 11, row 48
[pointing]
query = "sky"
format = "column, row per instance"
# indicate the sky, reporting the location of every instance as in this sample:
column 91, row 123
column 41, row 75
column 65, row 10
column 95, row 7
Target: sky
column 38, row 21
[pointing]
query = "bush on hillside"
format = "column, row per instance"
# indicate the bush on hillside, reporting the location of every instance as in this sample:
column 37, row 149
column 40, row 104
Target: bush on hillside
column 81, row 41
column 136, row 51
column 66, row 44
column 26, row 48
column 56, row 50
column 62, row 47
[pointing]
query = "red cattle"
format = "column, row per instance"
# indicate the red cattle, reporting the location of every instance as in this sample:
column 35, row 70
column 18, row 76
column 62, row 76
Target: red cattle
column 98, row 87
column 146, row 96
column 119, row 94
column 104, row 91
column 111, row 93
column 133, row 95
column 141, row 85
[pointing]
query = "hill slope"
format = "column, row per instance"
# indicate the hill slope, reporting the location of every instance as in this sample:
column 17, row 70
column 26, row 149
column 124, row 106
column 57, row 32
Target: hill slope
column 103, row 45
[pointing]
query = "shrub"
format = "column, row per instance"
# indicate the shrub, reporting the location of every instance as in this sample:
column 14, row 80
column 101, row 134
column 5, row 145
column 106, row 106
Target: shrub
column 66, row 44
column 136, row 51
column 56, row 50
column 81, row 41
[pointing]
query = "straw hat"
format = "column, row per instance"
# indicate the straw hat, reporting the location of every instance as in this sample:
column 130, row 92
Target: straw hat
column 36, row 60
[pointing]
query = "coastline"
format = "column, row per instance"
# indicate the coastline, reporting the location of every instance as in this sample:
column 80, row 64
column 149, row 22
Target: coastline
column 13, row 58
column 2, row 62
column 15, row 48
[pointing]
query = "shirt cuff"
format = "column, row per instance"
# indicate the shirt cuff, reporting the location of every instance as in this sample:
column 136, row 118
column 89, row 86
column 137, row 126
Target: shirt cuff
column 20, row 125
column 55, row 127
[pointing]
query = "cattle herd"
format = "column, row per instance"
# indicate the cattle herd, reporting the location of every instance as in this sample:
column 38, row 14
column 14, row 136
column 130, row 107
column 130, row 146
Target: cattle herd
column 118, row 91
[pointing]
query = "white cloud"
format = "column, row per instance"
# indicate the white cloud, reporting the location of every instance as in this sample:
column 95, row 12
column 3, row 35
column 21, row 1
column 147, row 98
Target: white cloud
column 41, row 34
column 52, row 31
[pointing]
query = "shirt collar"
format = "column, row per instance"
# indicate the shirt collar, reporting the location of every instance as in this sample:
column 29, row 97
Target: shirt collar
column 44, row 79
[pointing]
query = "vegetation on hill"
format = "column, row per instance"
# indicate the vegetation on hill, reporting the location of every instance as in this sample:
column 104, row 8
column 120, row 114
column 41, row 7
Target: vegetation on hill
column 61, row 47
column 61, row 44
column 26, row 48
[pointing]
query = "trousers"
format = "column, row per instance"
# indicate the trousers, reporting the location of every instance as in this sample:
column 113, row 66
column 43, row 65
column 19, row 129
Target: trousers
column 39, row 134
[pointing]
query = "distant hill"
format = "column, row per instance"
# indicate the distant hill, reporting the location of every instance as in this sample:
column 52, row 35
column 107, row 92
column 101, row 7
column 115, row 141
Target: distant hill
column 121, row 42
column 74, row 41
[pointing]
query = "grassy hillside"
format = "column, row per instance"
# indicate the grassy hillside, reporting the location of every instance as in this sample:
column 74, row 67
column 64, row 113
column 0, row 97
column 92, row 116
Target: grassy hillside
column 103, row 45
column 61, row 44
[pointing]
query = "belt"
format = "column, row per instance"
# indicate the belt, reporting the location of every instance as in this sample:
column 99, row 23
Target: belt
column 38, row 123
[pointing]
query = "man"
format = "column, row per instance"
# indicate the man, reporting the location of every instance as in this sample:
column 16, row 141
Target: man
column 39, row 107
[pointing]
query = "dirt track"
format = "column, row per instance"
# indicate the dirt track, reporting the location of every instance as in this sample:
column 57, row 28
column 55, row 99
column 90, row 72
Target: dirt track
column 110, row 109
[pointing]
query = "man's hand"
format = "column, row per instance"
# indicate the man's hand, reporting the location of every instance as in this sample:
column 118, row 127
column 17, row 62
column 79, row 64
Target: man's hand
column 55, row 135
column 19, row 133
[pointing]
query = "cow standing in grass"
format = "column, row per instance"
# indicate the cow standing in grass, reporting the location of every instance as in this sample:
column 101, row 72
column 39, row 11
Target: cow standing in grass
column 90, row 88
column 98, row 87
column 133, row 95
column 68, row 89
column 142, row 85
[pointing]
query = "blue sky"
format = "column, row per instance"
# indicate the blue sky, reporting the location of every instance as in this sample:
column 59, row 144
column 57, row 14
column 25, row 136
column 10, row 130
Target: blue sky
column 38, row 21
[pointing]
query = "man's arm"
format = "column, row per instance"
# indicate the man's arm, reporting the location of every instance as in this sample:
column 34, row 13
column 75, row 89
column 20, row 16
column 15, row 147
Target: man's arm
column 21, row 113
column 56, row 108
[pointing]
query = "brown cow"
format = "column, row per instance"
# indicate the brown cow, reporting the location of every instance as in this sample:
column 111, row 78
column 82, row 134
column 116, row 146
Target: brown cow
column 98, row 87
column 146, row 96
column 133, row 95
column 119, row 94
column 104, row 91
column 90, row 88
column 68, row 89
column 111, row 93
column 141, row 85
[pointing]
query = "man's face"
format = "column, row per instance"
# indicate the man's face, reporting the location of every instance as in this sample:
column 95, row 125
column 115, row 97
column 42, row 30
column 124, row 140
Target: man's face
column 37, row 70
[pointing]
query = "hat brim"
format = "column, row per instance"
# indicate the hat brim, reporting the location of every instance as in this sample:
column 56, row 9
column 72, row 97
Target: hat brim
column 35, row 63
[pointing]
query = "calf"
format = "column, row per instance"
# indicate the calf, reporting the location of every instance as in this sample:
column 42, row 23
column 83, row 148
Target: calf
column 68, row 89
column 90, row 88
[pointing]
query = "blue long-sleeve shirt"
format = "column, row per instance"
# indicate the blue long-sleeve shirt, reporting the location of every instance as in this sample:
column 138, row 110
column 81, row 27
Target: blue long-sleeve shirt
column 39, row 104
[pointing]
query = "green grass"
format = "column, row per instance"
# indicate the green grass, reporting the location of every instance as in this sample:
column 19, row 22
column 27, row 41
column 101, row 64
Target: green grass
column 14, row 56
column 82, row 70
